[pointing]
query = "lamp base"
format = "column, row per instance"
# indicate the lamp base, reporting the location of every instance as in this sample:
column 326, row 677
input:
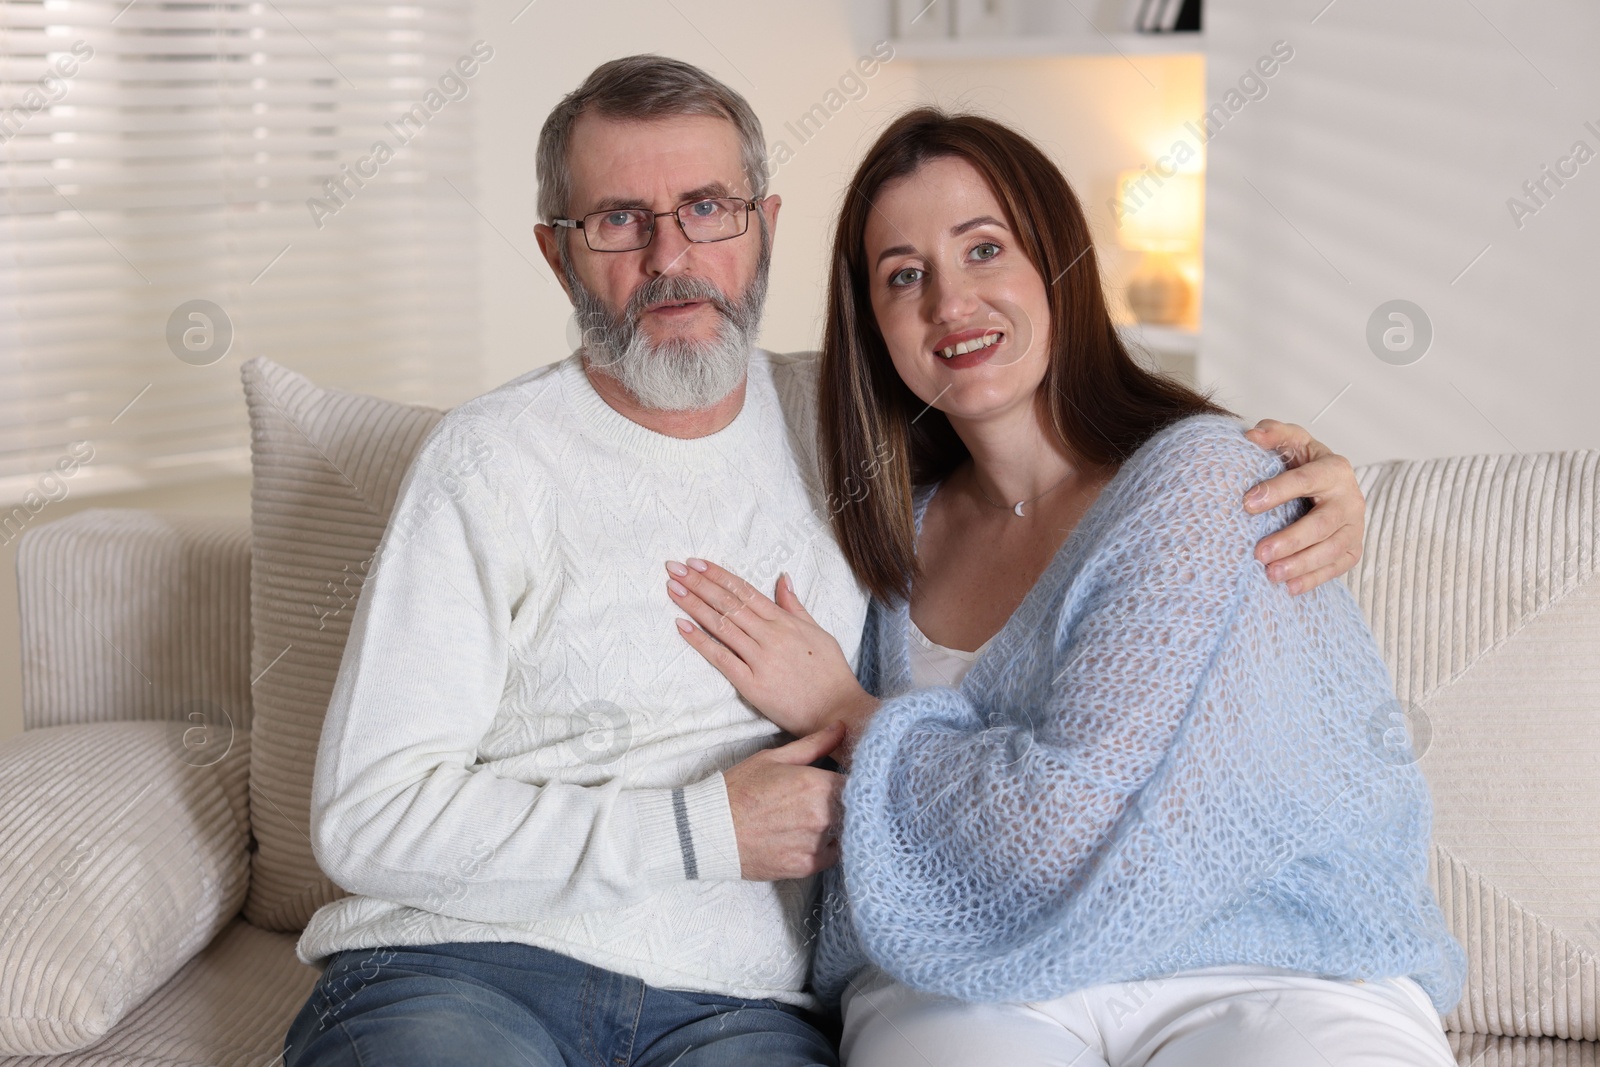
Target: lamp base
column 1157, row 292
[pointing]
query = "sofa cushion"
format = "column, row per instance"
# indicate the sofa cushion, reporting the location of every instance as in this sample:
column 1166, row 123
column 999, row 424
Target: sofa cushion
column 126, row 850
column 327, row 467
column 230, row 1006
column 1482, row 1050
column 1481, row 578
column 89, row 586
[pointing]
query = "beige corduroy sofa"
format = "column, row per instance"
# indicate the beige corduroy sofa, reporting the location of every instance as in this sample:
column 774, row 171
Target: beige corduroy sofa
column 153, row 868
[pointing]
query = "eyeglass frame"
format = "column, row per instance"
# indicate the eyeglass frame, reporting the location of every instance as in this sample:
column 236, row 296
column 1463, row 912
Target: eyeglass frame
column 577, row 224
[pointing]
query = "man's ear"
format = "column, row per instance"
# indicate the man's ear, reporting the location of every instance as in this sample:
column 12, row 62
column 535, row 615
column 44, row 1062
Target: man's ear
column 547, row 237
column 769, row 208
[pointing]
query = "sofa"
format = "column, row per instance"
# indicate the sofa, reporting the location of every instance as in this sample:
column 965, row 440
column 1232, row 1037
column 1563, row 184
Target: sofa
column 155, row 868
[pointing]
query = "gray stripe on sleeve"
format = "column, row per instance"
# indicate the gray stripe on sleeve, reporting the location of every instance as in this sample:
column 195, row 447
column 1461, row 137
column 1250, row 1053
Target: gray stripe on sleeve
column 680, row 809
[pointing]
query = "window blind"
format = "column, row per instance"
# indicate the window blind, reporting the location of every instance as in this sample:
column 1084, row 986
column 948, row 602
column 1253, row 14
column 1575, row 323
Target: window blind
column 174, row 172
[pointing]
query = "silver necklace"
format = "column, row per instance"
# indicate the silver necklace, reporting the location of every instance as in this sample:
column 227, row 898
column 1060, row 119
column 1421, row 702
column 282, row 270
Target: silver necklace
column 1016, row 509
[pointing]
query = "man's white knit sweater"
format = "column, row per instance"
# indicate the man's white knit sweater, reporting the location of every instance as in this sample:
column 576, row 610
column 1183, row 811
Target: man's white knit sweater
column 520, row 746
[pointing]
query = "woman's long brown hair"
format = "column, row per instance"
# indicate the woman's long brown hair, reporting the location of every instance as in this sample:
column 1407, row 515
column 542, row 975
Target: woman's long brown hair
column 877, row 439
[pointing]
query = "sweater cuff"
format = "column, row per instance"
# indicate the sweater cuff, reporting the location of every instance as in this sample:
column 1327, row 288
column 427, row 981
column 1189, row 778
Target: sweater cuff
column 687, row 832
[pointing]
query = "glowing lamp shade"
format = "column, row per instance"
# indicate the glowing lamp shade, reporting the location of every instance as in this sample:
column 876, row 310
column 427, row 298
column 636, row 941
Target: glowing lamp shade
column 1159, row 214
column 1160, row 217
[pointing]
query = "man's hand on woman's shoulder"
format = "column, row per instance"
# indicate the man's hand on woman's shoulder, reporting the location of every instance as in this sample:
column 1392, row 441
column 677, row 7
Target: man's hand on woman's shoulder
column 1326, row 541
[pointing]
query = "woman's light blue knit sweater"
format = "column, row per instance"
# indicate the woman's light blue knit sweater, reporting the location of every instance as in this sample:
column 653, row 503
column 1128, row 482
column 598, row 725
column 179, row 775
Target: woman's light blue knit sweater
column 1162, row 762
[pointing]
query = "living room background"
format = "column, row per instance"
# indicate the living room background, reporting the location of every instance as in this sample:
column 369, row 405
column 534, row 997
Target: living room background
column 1379, row 164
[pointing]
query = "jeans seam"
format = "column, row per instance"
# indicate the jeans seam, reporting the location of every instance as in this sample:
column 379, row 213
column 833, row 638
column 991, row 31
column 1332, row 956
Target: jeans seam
column 326, row 987
column 588, row 1046
column 355, row 1049
column 638, row 1013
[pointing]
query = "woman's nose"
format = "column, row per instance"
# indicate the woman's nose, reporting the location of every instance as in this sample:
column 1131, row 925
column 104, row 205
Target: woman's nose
column 953, row 297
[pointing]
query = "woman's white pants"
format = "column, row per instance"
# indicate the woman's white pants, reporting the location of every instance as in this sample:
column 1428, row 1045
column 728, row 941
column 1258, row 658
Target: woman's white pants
column 1233, row 1016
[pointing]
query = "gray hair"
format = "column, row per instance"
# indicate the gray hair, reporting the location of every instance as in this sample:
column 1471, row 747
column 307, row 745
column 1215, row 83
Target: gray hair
column 643, row 87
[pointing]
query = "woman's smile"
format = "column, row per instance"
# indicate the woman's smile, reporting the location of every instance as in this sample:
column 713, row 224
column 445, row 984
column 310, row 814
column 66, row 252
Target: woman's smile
column 968, row 348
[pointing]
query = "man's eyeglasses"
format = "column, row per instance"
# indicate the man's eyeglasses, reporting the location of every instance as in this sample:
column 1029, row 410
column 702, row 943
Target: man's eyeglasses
column 626, row 229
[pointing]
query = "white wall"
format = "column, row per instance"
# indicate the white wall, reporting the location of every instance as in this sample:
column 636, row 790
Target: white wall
column 1377, row 167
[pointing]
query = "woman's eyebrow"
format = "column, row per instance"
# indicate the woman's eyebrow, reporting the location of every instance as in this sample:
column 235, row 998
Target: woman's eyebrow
column 897, row 250
column 955, row 231
column 981, row 220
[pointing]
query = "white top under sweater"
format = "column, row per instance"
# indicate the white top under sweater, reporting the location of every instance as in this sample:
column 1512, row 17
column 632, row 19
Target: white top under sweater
column 935, row 664
column 520, row 746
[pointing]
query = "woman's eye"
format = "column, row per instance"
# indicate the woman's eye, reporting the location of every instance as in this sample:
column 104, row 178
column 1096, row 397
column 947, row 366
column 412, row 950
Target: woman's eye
column 986, row 250
column 905, row 276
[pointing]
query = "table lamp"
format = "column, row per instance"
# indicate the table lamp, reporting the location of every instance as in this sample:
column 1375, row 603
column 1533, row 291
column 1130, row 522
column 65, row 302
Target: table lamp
column 1161, row 217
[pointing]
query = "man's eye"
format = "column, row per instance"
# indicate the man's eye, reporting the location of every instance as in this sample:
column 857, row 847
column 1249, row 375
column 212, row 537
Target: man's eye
column 706, row 208
column 905, row 276
column 619, row 218
column 986, row 250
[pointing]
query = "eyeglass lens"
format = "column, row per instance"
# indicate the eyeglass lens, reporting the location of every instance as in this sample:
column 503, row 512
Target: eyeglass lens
column 628, row 228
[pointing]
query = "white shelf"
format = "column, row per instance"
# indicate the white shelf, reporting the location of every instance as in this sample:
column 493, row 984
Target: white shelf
column 1180, row 339
column 1173, row 350
column 1076, row 44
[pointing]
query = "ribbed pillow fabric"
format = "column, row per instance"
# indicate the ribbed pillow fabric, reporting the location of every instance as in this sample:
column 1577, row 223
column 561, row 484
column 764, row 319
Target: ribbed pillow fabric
column 327, row 467
column 135, row 615
column 126, row 855
column 230, row 1006
column 1482, row 1050
column 1481, row 579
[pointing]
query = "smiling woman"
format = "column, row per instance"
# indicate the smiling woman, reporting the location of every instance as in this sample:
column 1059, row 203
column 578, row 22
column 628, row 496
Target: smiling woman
column 1015, row 283
column 1090, row 743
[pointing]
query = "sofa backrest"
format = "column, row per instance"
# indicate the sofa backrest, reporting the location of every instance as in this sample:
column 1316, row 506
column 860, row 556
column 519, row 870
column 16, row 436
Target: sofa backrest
column 1481, row 578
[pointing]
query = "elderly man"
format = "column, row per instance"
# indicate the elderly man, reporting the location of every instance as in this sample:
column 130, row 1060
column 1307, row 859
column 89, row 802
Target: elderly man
column 568, row 841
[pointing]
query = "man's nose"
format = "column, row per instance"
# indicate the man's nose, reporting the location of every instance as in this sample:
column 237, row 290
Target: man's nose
column 668, row 251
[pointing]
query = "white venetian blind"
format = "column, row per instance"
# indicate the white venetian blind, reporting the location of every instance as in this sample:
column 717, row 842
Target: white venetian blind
column 156, row 153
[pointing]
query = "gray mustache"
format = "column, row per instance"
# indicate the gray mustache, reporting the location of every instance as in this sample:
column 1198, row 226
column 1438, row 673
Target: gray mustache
column 676, row 289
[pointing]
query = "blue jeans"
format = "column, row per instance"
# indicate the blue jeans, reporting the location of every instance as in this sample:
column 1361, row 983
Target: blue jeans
column 504, row 1003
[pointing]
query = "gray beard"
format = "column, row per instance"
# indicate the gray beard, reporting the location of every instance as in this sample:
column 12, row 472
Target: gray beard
column 676, row 375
